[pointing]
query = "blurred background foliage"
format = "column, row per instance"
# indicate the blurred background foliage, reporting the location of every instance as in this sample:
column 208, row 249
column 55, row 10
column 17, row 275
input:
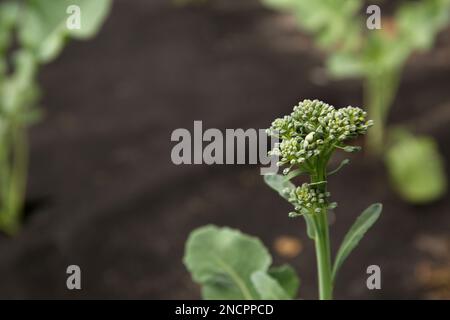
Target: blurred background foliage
column 378, row 57
column 32, row 33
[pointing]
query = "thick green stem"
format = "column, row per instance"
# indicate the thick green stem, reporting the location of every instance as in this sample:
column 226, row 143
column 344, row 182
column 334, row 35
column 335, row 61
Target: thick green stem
column 322, row 242
column 322, row 245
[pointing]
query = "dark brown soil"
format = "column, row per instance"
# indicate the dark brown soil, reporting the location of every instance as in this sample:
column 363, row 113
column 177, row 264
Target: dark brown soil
column 103, row 191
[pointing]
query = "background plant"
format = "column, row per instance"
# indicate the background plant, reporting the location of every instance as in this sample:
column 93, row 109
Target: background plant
column 229, row 265
column 32, row 33
column 379, row 56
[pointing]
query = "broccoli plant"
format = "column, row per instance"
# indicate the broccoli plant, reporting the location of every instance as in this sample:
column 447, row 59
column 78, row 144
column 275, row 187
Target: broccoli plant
column 32, row 33
column 378, row 57
column 230, row 265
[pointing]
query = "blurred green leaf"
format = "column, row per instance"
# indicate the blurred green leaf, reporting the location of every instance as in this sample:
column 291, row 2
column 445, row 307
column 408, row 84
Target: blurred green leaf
column 44, row 28
column 334, row 23
column 231, row 265
column 382, row 53
column 344, row 65
column 19, row 91
column 8, row 16
column 287, row 278
column 222, row 260
column 267, row 287
column 9, row 11
column 426, row 18
column 355, row 234
column 416, row 167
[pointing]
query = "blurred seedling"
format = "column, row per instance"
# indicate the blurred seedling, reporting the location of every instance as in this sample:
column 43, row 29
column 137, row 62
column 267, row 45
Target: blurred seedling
column 32, row 33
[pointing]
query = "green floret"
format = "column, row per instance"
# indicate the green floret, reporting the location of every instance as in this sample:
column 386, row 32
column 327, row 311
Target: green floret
column 308, row 197
column 314, row 130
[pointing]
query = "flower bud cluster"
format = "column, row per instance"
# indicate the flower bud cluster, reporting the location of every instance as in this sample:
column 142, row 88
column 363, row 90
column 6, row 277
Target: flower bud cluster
column 308, row 197
column 314, row 128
